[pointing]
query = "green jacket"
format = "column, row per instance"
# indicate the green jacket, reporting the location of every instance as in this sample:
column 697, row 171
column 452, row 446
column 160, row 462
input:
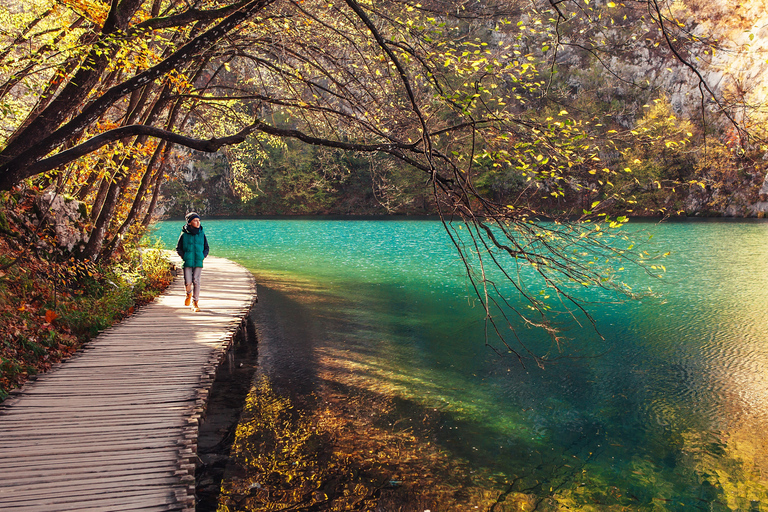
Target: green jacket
column 192, row 246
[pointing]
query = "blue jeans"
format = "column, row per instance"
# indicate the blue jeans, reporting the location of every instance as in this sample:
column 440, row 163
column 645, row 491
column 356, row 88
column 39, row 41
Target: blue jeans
column 192, row 277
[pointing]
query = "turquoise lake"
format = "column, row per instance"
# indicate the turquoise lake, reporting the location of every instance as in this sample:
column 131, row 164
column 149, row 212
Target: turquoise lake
column 664, row 406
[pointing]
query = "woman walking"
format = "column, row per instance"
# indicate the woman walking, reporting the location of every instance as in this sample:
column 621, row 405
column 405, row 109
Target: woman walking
column 192, row 247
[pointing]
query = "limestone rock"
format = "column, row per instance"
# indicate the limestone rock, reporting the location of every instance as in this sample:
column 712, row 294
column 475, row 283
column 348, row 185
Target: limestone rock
column 66, row 217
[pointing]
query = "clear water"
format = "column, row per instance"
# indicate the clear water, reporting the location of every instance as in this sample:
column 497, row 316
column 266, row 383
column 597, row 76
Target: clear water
column 667, row 411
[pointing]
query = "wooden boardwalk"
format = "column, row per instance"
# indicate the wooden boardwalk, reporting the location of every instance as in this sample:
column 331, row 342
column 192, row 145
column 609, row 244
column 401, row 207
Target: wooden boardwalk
column 115, row 427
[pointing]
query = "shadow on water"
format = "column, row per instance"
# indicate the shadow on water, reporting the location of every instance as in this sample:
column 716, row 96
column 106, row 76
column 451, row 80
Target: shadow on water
column 225, row 404
column 235, row 379
column 314, row 435
column 285, row 434
column 288, row 333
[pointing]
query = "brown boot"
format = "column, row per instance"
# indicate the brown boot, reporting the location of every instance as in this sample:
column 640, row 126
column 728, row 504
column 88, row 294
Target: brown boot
column 188, row 299
column 195, row 307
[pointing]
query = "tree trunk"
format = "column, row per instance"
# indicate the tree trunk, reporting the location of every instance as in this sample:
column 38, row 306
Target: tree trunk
column 138, row 202
column 101, row 196
column 158, row 182
column 93, row 247
column 100, row 230
column 86, row 187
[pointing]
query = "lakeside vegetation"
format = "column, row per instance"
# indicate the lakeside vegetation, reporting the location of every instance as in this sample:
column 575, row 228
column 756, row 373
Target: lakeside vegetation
column 52, row 303
column 675, row 171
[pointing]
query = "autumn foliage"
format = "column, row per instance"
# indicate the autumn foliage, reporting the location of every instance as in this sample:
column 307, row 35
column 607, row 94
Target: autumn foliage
column 49, row 305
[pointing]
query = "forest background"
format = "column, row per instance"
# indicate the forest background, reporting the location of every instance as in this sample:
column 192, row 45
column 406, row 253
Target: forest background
column 670, row 120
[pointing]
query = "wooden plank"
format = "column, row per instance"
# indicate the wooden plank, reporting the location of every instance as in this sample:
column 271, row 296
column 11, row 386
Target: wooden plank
column 23, row 419
column 85, row 428
column 85, row 402
column 81, row 468
column 23, row 423
column 75, row 423
column 105, row 500
column 182, row 372
column 41, row 458
column 41, row 484
column 169, row 440
column 73, row 437
column 107, row 390
column 87, row 507
column 21, row 409
column 51, row 434
column 137, row 506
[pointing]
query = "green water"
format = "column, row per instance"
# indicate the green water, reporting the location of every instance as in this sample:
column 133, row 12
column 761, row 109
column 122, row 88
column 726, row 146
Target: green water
column 667, row 411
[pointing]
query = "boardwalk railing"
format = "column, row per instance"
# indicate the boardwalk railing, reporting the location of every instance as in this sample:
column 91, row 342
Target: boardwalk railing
column 115, row 427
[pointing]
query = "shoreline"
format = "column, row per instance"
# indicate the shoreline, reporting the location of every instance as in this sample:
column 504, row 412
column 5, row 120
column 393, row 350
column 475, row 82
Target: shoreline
column 225, row 403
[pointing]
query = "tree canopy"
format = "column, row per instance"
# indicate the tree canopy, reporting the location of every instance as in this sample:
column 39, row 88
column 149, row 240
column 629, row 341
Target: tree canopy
column 97, row 95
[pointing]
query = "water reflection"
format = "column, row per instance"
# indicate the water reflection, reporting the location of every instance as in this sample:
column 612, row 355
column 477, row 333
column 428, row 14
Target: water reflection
column 375, row 420
column 668, row 412
column 343, row 449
